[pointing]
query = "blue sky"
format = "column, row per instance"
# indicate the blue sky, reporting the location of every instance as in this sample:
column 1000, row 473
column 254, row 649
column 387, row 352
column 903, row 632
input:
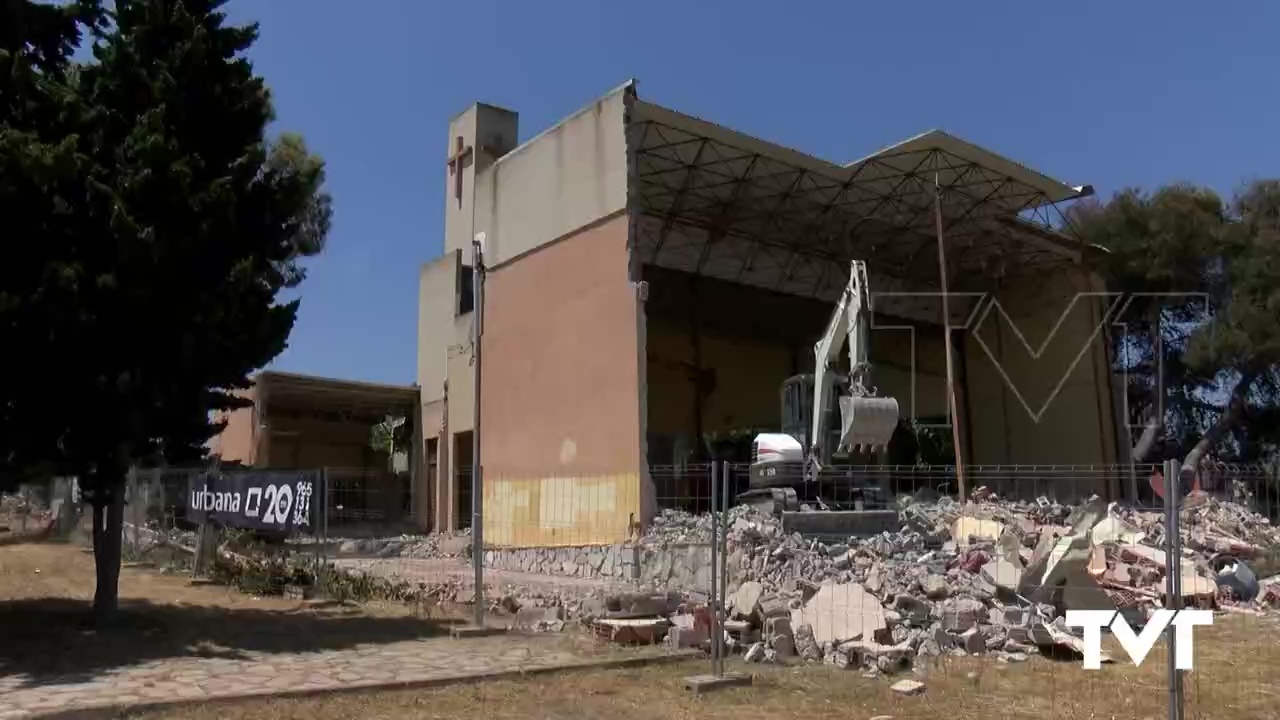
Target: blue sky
column 1108, row 93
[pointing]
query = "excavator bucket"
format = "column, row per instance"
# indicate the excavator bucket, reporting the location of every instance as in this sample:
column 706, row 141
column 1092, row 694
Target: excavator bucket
column 867, row 421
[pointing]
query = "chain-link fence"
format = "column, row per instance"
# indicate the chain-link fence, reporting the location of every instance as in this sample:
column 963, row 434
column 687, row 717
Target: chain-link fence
column 884, row 571
column 881, row 570
column 40, row 510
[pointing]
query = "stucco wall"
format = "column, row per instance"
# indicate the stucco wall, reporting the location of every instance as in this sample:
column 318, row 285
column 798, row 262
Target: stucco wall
column 566, row 178
column 560, row 413
column 436, row 306
column 237, row 442
column 1042, row 397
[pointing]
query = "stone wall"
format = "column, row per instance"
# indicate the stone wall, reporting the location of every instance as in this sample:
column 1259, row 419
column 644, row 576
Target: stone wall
column 617, row 561
column 685, row 566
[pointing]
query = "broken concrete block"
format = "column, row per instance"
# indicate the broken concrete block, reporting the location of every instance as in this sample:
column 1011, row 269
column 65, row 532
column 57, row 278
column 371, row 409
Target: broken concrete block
column 686, row 637
column 935, row 586
column 806, row 646
column 1121, row 574
column 966, row 530
column 907, row 687
column 1087, row 515
column 778, row 633
column 637, row 605
column 1239, row 577
column 746, row 600
column 755, row 653
column 773, row 606
column 973, row 641
column 1003, row 574
column 960, row 614
column 913, row 609
column 1009, row 544
column 1112, row 529
column 1062, row 577
column 841, row 612
column 632, row 631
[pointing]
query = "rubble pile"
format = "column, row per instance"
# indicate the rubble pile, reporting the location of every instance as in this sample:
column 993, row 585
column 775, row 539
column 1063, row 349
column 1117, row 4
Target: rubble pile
column 988, row 577
column 436, row 545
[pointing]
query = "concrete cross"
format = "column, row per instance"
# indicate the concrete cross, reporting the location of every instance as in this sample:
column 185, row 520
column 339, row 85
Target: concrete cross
column 461, row 155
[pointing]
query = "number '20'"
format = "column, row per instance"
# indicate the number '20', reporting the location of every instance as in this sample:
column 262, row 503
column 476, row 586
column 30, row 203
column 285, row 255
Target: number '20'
column 279, row 502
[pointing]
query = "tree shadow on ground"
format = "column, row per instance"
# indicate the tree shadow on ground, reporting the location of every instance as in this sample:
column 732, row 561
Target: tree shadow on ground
column 55, row 640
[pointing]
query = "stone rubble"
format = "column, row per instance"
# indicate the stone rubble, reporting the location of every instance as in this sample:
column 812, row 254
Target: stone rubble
column 987, row 578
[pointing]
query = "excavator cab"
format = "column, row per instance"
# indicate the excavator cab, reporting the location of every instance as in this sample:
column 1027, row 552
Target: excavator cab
column 797, row 412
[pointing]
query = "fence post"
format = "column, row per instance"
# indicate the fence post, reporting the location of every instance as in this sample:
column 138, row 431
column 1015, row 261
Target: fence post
column 1173, row 577
column 716, row 633
column 723, row 570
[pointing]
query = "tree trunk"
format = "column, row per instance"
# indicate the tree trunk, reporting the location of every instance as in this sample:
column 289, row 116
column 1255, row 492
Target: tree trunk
column 1147, row 441
column 1228, row 419
column 108, row 529
column 1155, row 422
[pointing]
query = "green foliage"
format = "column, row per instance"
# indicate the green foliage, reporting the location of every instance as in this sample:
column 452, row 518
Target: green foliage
column 392, row 434
column 158, row 225
column 1202, row 273
column 154, row 225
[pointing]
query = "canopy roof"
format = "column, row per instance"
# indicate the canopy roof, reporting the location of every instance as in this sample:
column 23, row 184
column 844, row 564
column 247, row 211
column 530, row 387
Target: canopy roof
column 280, row 389
column 723, row 204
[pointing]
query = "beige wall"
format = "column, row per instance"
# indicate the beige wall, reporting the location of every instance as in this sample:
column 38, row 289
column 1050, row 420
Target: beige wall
column 560, row 412
column 566, row 178
column 1055, row 408
column 437, row 297
column 238, row 441
column 311, row 443
column 490, row 132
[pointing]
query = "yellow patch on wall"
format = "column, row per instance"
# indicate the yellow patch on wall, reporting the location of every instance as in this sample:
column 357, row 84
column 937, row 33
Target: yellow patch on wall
column 560, row 511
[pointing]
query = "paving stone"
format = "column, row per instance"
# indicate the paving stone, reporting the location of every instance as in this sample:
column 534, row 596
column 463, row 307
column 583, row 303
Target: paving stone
column 266, row 674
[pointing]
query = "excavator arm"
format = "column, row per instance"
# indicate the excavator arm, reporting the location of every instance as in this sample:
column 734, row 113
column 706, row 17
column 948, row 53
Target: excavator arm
column 865, row 420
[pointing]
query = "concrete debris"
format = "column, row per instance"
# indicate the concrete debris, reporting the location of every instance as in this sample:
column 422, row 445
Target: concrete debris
column 838, row 613
column 988, row 577
column 907, row 687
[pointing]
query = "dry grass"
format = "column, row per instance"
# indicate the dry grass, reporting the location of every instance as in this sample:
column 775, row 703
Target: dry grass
column 45, row 620
column 1236, row 665
column 44, row 589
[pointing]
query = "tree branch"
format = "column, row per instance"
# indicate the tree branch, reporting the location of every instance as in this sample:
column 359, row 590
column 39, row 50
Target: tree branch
column 1227, row 420
column 1147, row 440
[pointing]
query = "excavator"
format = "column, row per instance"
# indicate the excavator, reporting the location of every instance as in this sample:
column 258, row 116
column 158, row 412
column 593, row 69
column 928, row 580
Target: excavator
column 828, row 412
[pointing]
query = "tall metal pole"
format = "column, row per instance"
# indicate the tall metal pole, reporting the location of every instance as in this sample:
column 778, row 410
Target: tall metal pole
column 1173, row 577
column 716, row 633
column 946, row 335
column 477, row 473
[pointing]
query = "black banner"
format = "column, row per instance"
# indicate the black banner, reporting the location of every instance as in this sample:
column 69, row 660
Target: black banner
column 274, row 500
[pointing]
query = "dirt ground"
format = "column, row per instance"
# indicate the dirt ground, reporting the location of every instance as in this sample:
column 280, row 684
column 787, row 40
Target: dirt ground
column 47, row 629
column 1233, row 681
column 44, row 589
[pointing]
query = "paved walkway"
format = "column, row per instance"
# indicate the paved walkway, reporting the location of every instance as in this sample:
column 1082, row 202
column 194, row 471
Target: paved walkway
column 251, row 674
